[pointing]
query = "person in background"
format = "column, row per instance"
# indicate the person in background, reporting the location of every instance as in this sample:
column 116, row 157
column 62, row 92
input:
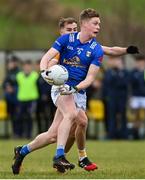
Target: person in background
column 10, row 92
column 27, row 96
column 115, row 93
column 137, row 100
column 109, row 65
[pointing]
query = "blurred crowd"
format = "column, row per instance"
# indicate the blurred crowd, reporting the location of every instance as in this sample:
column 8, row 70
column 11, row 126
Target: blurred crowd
column 121, row 91
column 28, row 97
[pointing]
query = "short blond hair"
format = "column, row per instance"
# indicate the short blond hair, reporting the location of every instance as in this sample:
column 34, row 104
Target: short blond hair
column 88, row 14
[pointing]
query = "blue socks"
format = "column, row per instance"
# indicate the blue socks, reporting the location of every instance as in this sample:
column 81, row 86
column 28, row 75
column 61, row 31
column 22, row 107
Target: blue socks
column 25, row 150
column 60, row 151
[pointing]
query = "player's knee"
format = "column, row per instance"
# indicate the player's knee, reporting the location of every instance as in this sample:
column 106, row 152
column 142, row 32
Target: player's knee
column 71, row 115
column 83, row 122
column 51, row 138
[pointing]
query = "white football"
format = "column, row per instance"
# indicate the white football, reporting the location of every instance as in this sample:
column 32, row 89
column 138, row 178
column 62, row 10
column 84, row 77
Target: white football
column 58, row 74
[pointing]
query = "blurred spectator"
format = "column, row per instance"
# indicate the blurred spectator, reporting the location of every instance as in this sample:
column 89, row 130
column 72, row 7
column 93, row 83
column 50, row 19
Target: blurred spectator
column 45, row 107
column 94, row 95
column 109, row 65
column 10, row 91
column 115, row 93
column 27, row 96
column 137, row 100
column 94, row 91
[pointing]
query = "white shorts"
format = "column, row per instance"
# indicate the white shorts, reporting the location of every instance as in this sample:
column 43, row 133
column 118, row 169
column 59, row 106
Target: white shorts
column 137, row 102
column 80, row 99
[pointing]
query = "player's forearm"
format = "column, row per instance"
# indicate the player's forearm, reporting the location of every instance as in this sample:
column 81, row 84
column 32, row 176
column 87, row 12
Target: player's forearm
column 91, row 76
column 43, row 63
column 118, row 51
column 114, row 51
column 85, row 83
column 47, row 57
column 52, row 62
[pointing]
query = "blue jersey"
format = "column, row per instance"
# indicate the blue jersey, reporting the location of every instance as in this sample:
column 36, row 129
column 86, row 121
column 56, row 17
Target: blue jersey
column 77, row 56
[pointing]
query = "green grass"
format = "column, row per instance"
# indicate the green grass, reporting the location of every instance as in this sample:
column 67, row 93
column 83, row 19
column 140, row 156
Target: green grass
column 116, row 159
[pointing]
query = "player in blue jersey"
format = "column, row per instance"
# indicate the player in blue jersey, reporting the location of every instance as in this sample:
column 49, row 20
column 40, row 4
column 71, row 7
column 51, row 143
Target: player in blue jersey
column 68, row 108
column 81, row 54
column 67, row 25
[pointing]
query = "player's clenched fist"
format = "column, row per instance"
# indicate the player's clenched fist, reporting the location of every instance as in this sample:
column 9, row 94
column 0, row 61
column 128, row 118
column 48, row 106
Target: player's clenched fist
column 67, row 90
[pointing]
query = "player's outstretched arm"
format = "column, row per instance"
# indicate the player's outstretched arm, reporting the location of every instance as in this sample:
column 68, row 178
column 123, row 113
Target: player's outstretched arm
column 118, row 51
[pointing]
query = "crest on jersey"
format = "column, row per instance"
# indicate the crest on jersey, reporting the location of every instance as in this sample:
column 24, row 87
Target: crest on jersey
column 88, row 53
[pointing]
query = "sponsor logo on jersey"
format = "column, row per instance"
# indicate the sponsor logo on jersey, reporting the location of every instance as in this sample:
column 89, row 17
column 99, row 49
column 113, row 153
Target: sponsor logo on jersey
column 93, row 45
column 75, row 61
column 70, row 48
column 71, row 38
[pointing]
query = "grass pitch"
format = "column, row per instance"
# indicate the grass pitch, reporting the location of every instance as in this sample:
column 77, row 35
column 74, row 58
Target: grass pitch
column 116, row 159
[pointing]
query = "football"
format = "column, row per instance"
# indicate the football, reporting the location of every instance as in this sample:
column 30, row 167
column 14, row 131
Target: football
column 57, row 75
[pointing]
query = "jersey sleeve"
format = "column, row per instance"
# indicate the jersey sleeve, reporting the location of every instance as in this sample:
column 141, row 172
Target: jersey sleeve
column 98, row 56
column 61, row 42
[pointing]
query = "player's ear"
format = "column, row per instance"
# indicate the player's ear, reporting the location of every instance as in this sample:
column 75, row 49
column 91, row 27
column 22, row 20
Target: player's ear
column 61, row 31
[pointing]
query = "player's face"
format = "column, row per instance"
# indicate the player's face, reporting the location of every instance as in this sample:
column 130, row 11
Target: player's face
column 92, row 26
column 27, row 68
column 69, row 28
column 11, row 65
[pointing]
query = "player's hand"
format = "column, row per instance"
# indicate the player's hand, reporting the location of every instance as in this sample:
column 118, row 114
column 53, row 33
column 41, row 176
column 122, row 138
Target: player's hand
column 67, row 91
column 44, row 74
column 132, row 50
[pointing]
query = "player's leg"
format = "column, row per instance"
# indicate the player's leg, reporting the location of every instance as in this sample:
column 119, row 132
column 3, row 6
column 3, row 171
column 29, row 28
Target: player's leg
column 68, row 109
column 80, row 134
column 40, row 141
column 49, row 136
column 84, row 161
column 71, row 138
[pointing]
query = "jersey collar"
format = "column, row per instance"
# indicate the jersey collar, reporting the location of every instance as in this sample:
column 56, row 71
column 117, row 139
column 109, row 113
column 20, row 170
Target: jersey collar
column 78, row 38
